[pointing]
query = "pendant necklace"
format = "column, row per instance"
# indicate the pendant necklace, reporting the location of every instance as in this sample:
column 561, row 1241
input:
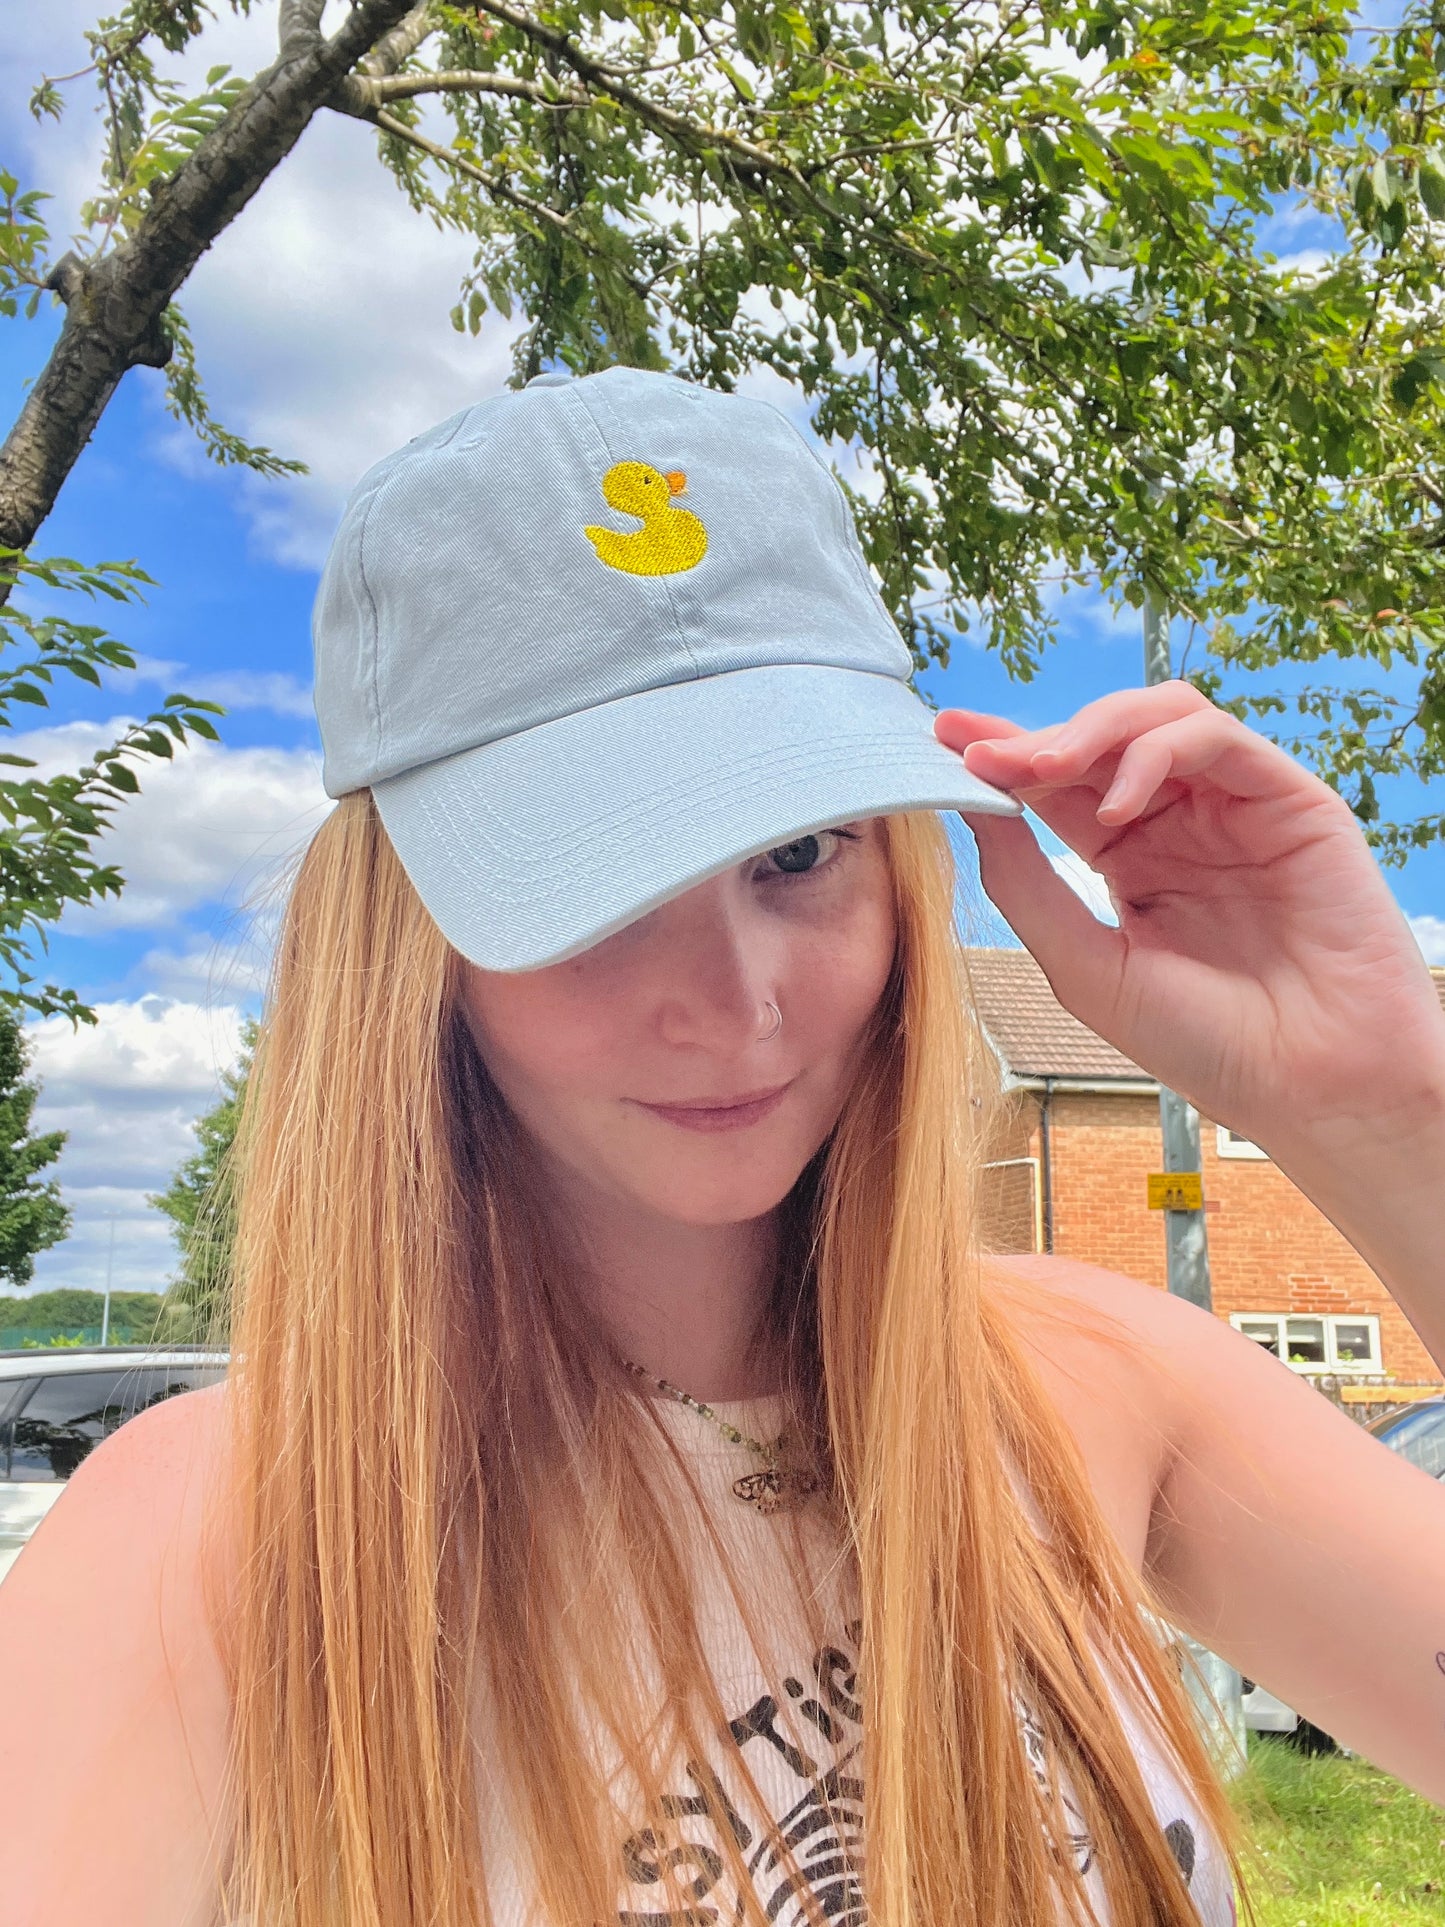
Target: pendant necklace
column 776, row 1487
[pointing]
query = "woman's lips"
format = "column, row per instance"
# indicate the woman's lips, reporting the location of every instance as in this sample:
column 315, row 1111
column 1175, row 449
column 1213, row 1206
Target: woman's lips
column 731, row 1117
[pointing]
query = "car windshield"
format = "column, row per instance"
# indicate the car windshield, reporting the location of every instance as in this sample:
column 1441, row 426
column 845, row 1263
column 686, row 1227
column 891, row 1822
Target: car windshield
column 1420, row 1437
column 1403, row 1425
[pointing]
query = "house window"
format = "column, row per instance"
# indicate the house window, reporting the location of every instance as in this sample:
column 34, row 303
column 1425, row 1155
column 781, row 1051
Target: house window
column 1231, row 1145
column 1327, row 1342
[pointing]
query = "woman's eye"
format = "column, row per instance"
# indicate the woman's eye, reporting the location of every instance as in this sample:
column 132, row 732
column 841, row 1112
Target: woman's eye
column 807, row 855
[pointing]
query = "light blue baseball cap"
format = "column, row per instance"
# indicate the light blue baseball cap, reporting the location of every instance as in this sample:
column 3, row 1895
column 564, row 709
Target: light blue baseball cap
column 592, row 642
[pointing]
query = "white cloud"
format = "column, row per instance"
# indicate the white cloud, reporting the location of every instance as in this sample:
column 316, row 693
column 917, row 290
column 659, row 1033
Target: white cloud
column 127, row 1091
column 212, row 825
column 1308, row 263
column 321, row 325
column 1430, row 935
column 320, row 316
column 275, row 691
column 215, row 971
column 1085, row 883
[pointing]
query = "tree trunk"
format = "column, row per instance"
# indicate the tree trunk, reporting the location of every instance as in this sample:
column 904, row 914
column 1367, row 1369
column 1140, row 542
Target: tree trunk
column 114, row 305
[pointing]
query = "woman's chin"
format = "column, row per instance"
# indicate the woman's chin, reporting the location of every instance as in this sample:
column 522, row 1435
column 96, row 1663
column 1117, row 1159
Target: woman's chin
column 722, row 1202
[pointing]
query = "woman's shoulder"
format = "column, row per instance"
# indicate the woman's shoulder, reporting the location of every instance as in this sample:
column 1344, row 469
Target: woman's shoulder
column 115, row 1681
column 1051, row 1291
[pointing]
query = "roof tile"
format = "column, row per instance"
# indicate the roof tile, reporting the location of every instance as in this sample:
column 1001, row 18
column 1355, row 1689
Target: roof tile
column 1033, row 1033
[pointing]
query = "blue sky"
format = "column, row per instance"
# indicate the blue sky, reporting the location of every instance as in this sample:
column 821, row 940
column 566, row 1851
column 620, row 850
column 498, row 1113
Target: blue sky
column 321, row 323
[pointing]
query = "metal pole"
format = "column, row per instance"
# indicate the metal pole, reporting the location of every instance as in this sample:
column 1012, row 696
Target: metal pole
column 109, row 1267
column 1215, row 1685
column 1188, row 1243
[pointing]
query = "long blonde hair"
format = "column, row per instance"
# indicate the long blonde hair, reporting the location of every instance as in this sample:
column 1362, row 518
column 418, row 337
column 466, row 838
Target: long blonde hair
column 438, row 1497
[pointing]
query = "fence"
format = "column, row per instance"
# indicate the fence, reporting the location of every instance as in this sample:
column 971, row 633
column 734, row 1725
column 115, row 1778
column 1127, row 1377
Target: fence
column 12, row 1339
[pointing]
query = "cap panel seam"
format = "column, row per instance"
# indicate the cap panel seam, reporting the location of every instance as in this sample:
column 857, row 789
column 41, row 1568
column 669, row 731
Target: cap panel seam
column 407, row 455
column 662, row 581
column 847, row 528
column 373, row 687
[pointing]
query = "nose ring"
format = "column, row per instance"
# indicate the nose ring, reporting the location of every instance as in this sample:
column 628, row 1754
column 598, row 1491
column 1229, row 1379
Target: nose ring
column 768, row 1035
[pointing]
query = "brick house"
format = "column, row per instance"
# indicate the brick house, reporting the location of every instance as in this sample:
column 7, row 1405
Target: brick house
column 1078, row 1136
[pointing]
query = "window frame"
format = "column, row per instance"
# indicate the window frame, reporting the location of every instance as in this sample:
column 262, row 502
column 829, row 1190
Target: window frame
column 1229, row 1144
column 13, row 1394
column 1334, row 1366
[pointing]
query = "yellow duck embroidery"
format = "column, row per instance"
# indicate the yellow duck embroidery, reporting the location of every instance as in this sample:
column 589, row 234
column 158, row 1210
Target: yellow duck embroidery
column 669, row 540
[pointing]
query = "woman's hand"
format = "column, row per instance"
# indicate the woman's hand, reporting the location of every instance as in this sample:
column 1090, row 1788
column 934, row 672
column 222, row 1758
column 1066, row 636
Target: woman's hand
column 1261, row 966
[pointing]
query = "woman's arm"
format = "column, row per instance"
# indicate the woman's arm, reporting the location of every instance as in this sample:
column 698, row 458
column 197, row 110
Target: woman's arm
column 1278, row 1532
column 1261, row 966
column 1382, row 1185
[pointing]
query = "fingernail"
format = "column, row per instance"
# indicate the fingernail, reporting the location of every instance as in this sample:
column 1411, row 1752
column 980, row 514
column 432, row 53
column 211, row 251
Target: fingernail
column 1113, row 796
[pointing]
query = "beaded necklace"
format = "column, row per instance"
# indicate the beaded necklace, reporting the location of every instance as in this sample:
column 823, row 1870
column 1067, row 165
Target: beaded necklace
column 777, row 1487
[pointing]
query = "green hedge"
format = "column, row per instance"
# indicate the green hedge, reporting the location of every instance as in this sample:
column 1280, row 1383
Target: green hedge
column 45, row 1317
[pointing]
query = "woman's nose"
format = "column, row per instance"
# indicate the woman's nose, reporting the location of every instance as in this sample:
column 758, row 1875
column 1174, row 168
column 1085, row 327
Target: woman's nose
column 721, row 969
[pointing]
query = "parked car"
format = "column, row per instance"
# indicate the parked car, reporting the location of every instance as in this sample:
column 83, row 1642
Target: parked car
column 56, row 1406
column 1416, row 1432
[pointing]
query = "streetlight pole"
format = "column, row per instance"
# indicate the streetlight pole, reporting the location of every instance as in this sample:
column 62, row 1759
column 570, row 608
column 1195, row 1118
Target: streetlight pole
column 1187, row 1246
column 109, row 1268
column 1187, row 1240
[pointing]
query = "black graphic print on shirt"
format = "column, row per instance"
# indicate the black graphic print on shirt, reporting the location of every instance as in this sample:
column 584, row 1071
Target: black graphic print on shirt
column 822, row 1824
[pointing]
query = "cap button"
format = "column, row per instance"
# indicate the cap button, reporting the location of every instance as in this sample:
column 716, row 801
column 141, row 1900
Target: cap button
column 551, row 378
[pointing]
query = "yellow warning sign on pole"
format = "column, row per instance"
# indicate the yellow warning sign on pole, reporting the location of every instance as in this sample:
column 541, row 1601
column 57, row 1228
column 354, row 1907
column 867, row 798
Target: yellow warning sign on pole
column 1176, row 1191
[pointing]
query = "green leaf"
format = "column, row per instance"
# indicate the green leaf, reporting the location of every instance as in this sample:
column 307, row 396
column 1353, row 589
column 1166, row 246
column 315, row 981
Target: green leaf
column 1432, row 186
column 740, row 81
column 1411, row 381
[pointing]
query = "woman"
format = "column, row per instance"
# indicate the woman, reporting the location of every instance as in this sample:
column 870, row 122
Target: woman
column 635, row 1488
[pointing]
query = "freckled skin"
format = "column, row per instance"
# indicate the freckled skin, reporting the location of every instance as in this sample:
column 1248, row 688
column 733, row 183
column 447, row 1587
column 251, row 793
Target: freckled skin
column 672, row 1008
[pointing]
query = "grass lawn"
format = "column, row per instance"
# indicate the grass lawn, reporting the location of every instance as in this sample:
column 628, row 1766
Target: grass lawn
column 1341, row 1843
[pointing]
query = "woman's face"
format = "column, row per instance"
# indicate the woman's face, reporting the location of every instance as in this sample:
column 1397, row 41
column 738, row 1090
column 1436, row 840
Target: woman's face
column 670, row 1012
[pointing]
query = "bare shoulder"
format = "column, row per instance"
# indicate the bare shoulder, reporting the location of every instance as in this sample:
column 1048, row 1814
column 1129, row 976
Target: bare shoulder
column 1108, row 1351
column 1102, row 1301
column 115, row 1717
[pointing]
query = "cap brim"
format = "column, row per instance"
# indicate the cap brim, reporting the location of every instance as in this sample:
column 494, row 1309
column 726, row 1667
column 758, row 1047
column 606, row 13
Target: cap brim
column 531, row 849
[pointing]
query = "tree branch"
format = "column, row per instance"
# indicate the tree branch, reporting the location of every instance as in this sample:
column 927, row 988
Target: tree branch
column 461, row 80
column 115, row 303
column 299, row 28
column 692, row 135
column 401, row 43
column 493, row 183
column 361, row 95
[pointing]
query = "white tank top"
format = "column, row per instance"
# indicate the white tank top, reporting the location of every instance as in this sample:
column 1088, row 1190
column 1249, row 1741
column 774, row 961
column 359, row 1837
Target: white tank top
column 802, row 1743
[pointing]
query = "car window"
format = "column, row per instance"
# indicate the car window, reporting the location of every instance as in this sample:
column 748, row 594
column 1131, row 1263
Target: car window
column 118, row 1395
column 1409, row 1425
column 13, row 1393
column 1425, row 1445
column 146, row 1385
column 66, row 1416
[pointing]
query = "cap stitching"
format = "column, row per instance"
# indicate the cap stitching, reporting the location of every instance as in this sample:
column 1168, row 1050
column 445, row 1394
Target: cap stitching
column 662, row 581
column 453, row 823
column 454, row 832
column 606, row 828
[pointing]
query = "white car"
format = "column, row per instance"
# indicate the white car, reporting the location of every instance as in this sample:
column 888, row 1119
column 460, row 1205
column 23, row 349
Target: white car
column 55, row 1406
